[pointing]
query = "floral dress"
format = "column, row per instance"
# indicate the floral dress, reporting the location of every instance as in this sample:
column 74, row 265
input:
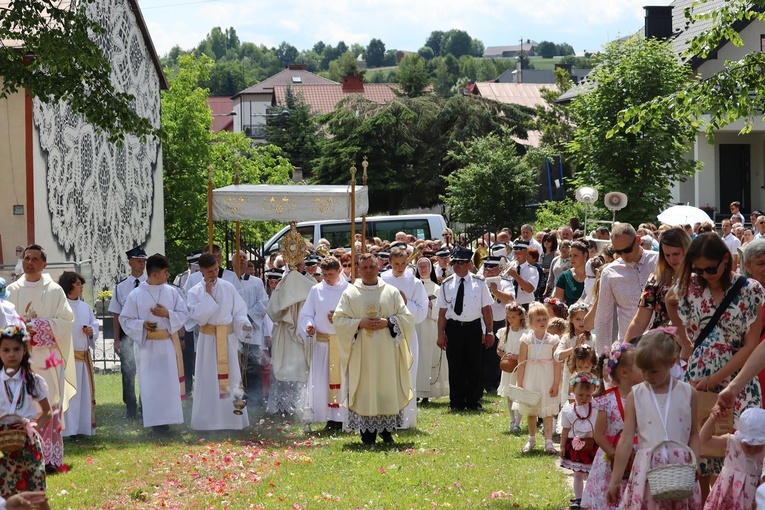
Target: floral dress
column 654, row 297
column 737, row 484
column 696, row 309
column 594, row 495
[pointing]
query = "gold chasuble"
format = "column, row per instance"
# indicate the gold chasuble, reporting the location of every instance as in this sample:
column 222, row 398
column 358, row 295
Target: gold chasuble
column 376, row 362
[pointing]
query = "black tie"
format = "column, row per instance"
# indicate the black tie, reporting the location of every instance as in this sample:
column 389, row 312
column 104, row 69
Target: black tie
column 460, row 297
column 137, row 281
column 515, row 283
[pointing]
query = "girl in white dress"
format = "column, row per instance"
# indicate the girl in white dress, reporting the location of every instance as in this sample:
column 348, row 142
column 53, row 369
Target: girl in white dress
column 80, row 418
column 432, row 368
column 577, row 335
column 510, row 343
column 660, row 409
column 539, row 372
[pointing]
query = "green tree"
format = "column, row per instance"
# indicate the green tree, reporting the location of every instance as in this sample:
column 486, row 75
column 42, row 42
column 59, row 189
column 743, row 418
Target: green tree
column 346, row 65
column 286, row 53
column 226, row 78
column 609, row 157
column 375, row 53
column 426, row 52
column 186, row 153
column 736, row 92
column 67, row 65
column 554, row 214
column 294, row 129
column 565, row 49
column 493, row 185
column 390, row 58
column 407, row 141
column 547, row 49
column 434, row 41
column 412, row 75
column 457, row 43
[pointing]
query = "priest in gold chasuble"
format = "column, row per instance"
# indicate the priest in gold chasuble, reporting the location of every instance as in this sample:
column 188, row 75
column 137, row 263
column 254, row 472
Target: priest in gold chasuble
column 374, row 328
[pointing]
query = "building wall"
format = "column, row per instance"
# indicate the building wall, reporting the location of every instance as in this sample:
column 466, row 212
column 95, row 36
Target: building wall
column 95, row 200
column 13, row 229
column 251, row 110
column 751, row 36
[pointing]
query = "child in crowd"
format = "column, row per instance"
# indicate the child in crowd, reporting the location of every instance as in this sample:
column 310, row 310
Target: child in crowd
column 24, row 469
column 578, row 422
column 576, row 336
column 510, row 343
column 618, row 366
column 557, row 326
column 660, row 409
column 556, row 308
column 584, row 359
column 80, row 418
column 540, row 373
column 736, row 486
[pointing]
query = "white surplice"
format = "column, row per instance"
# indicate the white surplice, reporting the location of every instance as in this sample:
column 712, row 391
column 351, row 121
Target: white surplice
column 417, row 303
column 432, row 368
column 322, row 299
column 78, row 418
column 256, row 299
column 224, row 306
column 156, row 363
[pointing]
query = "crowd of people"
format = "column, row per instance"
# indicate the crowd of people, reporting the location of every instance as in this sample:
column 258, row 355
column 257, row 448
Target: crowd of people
column 631, row 348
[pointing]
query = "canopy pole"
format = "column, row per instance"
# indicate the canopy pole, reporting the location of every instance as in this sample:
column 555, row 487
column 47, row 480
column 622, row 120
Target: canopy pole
column 353, row 223
column 364, row 165
column 210, row 208
column 237, row 243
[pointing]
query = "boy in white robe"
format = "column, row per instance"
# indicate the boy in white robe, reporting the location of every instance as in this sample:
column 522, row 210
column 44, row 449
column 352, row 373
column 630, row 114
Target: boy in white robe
column 221, row 313
column 318, row 332
column 152, row 316
column 416, row 300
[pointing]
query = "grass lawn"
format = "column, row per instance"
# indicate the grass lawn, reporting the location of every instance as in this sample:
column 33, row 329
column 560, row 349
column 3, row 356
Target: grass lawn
column 459, row 461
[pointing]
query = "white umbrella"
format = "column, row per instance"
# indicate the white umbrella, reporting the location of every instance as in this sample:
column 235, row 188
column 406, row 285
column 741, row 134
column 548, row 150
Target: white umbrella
column 683, row 215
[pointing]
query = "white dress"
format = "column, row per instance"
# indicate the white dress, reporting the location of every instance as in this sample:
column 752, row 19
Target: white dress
column 567, row 342
column 432, row 368
column 322, row 299
column 540, row 375
column 79, row 418
column 209, row 411
column 417, row 304
column 511, row 345
column 156, row 363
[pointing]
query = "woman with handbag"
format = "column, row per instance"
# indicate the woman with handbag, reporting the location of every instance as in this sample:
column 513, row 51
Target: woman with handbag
column 723, row 315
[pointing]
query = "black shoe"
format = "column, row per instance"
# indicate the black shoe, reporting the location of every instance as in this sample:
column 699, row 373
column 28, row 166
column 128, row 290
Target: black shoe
column 474, row 407
column 387, row 436
column 333, row 425
column 425, row 401
column 160, row 430
column 368, row 438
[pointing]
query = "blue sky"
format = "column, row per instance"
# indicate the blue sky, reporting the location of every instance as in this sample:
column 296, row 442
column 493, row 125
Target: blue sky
column 400, row 24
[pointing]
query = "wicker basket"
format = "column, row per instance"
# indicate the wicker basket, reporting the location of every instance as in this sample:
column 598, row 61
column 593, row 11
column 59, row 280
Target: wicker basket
column 508, row 362
column 522, row 395
column 672, row 482
column 12, row 439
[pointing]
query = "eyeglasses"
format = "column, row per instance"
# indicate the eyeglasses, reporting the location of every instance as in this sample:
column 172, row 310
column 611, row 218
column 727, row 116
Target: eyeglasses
column 708, row 270
column 628, row 249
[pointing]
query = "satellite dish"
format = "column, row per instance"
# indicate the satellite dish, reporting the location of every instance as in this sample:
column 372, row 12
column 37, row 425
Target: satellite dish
column 615, row 201
column 587, row 195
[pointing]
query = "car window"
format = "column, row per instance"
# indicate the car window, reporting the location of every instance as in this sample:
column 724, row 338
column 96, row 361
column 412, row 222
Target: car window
column 386, row 230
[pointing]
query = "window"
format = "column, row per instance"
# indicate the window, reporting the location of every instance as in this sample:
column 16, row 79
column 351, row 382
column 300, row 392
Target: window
column 297, row 79
column 305, row 231
column 386, row 230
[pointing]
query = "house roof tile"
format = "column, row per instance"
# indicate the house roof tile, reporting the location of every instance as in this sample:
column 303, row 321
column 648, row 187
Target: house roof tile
column 286, row 77
column 221, row 108
column 323, row 97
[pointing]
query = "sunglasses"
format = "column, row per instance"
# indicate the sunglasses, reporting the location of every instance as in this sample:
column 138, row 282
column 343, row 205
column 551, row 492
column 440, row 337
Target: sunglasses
column 629, row 248
column 346, row 265
column 708, row 270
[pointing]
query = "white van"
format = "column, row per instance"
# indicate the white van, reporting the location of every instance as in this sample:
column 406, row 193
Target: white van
column 338, row 232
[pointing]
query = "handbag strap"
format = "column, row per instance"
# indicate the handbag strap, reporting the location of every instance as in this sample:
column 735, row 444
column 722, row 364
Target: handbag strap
column 727, row 300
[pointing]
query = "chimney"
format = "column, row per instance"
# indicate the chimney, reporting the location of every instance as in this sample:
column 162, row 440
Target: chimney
column 353, row 84
column 296, row 67
column 658, row 22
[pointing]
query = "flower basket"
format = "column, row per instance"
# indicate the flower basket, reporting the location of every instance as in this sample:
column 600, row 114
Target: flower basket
column 672, row 482
column 508, row 362
column 522, row 395
column 13, row 436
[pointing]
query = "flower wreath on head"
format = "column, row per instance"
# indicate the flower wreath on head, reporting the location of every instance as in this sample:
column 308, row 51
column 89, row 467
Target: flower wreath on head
column 552, row 301
column 613, row 356
column 515, row 307
column 15, row 330
column 581, row 379
column 579, row 306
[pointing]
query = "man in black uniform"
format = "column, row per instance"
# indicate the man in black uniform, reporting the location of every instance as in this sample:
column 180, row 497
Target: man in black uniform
column 464, row 299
